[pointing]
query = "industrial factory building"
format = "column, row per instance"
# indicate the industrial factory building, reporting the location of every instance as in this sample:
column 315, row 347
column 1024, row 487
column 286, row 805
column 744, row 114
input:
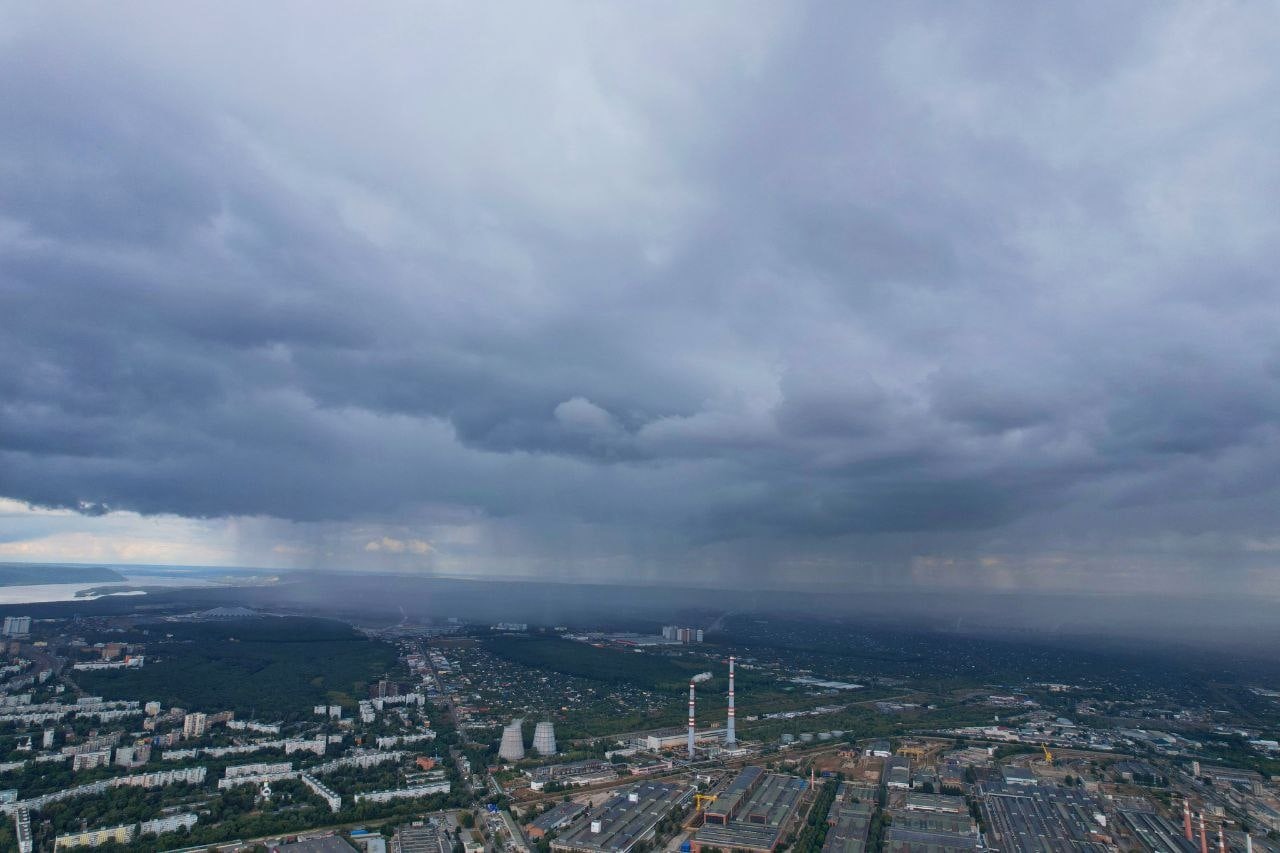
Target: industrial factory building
column 676, row 738
column 897, row 772
column 849, row 833
column 920, row 801
column 1018, row 775
column 752, row 813
column 849, row 820
column 421, row 839
column 945, row 822
column 900, row 840
column 575, row 773
column 939, row 823
column 1048, row 819
column 1157, row 832
column 624, row 820
column 557, row 818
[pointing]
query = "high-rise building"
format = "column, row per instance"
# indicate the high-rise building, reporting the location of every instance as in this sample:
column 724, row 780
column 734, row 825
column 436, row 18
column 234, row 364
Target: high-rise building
column 194, row 725
column 678, row 634
column 544, row 738
column 385, row 689
column 22, row 827
column 17, row 626
column 512, row 747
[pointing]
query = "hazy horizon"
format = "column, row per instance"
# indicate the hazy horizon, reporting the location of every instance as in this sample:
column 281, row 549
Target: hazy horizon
column 1101, row 619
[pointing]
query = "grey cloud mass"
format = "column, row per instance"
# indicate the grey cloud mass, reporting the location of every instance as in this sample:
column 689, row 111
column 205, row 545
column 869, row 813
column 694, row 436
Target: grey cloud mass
column 790, row 290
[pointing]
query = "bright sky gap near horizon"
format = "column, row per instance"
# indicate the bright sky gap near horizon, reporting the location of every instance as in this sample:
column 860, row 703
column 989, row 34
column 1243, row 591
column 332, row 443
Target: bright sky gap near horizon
column 909, row 295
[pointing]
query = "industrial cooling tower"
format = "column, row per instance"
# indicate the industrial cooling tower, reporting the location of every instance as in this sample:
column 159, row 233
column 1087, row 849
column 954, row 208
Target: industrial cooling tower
column 512, row 748
column 544, row 739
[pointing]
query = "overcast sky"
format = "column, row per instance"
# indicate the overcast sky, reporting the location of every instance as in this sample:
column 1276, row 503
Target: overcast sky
column 945, row 294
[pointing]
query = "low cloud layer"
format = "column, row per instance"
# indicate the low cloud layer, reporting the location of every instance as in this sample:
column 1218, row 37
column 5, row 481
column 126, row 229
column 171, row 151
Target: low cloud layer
column 902, row 295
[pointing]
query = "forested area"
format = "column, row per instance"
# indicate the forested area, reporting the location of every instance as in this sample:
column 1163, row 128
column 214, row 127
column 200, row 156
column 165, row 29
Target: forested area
column 649, row 671
column 274, row 668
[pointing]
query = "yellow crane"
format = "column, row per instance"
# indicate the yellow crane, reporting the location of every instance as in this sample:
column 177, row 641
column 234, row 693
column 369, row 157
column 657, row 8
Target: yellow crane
column 699, row 816
column 1048, row 756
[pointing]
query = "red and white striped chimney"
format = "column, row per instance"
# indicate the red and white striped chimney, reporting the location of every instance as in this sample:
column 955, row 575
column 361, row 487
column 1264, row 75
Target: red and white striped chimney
column 692, row 724
column 730, row 735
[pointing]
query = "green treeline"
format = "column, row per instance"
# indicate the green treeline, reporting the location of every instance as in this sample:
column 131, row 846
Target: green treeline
column 275, row 668
column 814, row 833
column 649, row 671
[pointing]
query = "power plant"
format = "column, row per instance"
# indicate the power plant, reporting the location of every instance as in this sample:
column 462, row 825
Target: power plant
column 730, row 733
column 544, row 738
column 512, row 748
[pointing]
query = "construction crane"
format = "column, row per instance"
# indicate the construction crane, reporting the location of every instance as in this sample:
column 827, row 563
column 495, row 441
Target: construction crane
column 698, row 816
column 1048, row 756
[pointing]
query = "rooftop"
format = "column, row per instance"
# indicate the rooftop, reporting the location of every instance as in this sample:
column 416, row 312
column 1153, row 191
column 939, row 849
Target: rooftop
column 1017, row 774
column 1048, row 819
column 558, row 816
column 899, row 840
column 848, row 834
column 624, row 819
column 920, row 801
column 422, row 839
column 752, row 811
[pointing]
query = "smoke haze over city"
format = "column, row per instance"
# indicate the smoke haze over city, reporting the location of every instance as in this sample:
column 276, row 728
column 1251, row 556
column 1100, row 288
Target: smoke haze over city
column 905, row 297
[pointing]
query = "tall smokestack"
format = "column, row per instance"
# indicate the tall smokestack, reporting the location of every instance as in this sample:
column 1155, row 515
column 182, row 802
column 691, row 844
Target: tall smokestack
column 691, row 726
column 1204, row 843
column 1222, row 841
column 730, row 737
column 1248, row 843
column 1186, row 819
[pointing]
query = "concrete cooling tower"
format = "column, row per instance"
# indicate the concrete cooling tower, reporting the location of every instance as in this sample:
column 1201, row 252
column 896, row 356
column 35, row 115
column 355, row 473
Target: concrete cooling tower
column 512, row 748
column 544, row 738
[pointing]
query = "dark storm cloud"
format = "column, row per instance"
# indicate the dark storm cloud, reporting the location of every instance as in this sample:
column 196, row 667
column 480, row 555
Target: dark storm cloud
column 660, row 288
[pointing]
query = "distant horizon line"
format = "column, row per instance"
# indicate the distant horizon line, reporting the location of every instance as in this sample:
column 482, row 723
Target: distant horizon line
column 727, row 586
